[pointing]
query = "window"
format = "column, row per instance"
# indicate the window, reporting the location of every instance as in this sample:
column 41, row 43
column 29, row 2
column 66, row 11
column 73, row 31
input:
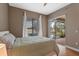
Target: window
column 32, row 26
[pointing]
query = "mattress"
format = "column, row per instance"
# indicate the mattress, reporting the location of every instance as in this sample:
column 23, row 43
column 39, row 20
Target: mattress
column 29, row 40
column 33, row 46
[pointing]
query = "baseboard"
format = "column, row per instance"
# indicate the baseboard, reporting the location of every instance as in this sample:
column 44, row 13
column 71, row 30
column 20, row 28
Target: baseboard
column 77, row 50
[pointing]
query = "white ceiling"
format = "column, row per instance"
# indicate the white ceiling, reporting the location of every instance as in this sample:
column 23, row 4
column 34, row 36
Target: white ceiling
column 39, row 7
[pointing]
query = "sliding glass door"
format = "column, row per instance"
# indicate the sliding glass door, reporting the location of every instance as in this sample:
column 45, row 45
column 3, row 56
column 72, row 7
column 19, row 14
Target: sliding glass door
column 56, row 28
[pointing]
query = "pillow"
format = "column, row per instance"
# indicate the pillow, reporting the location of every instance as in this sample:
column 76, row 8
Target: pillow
column 1, row 39
column 8, row 39
column 3, row 32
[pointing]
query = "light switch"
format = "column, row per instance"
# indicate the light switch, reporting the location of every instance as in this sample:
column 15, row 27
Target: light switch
column 76, row 31
column 76, row 43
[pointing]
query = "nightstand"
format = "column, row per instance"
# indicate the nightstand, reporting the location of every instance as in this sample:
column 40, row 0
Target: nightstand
column 3, row 51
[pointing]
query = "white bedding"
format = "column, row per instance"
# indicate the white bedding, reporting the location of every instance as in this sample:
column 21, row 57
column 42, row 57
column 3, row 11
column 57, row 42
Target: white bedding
column 29, row 40
column 28, row 46
column 33, row 46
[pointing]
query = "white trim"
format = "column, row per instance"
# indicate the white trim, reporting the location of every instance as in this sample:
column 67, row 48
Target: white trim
column 77, row 50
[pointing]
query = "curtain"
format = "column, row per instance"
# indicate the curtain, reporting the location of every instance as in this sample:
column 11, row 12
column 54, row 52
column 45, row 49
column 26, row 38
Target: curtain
column 25, row 32
column 40, row 26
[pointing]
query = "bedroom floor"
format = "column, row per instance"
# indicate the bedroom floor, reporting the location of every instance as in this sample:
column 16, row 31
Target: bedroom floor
column 65, row 51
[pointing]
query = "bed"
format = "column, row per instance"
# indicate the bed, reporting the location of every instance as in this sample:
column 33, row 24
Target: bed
column 32, row 46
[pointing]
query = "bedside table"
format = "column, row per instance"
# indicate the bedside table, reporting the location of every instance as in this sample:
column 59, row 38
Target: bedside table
column 3, row 51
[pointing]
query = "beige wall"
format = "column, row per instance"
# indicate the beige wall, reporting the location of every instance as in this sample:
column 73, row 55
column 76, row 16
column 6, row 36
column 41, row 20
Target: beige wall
column 45, row 26
column 71, row 23
column 16, row 20
column 3, row 16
